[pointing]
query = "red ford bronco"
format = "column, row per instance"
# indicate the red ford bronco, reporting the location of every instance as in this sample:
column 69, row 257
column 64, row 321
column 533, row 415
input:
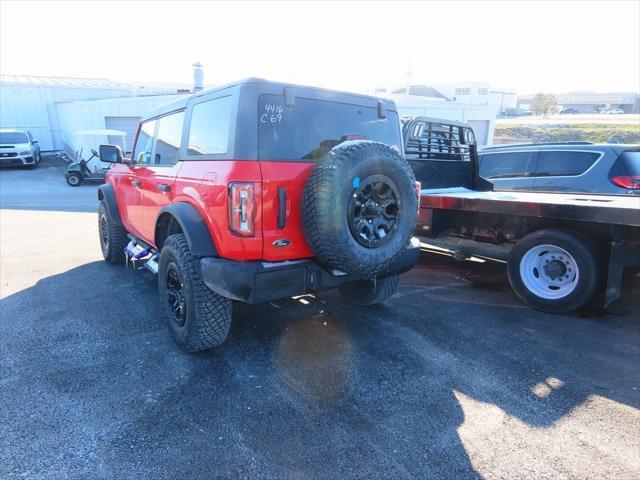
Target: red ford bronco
column 259, row 191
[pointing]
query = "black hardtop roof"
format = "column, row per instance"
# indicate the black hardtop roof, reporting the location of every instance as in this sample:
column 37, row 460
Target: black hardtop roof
column 182, row 102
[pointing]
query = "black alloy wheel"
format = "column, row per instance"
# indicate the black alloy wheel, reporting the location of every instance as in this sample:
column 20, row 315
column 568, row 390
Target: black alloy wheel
column 373, row 211
column 175, row 294
column 104, row 233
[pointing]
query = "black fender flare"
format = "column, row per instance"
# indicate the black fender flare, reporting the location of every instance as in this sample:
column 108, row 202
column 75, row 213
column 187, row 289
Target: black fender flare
column 192, row 225
column 107, row 195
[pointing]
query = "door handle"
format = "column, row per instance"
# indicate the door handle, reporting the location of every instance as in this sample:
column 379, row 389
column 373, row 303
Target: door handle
column 163, row 187
column 136, row 183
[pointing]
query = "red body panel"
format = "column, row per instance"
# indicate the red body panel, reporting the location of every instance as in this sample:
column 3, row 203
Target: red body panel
column 292, row 176
column 204, row 184
column 153, row 199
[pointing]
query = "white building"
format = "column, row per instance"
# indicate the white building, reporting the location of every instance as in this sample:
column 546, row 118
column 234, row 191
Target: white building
column 54, row 108
column 469, row 102
column 112, row 113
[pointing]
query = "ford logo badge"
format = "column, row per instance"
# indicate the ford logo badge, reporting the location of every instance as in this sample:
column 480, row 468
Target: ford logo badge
column 281, row 243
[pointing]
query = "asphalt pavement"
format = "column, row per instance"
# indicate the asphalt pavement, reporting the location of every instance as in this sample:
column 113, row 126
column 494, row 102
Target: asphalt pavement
column 453, row 378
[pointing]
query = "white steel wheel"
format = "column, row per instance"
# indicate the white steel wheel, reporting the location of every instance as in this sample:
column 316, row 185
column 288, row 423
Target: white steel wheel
column 549, row 272
column 555, row 270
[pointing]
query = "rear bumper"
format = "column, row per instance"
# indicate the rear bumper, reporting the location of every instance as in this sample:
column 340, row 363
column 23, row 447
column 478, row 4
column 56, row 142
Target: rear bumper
column 256, row 282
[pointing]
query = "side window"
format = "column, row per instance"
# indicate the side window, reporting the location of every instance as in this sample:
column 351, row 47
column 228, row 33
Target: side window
column 209, row 127
column 169, row 139
column 144, row 143
column 559, row 163
column 505, row 165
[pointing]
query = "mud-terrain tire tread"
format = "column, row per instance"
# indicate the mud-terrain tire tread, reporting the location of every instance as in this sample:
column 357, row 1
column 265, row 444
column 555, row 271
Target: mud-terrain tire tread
column 364, row 292
column 117, row 238
column 208, row 314
column 320, row 204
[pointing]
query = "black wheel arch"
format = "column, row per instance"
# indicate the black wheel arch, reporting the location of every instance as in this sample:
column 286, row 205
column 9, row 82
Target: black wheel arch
column 107, row 195
column 182, row 217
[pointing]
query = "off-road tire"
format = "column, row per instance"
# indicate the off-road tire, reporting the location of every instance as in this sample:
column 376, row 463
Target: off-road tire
column 370, row 292
column 113, row 237
column 587, row 262
column 326, row 202
column 77, row 178
column 208, row 315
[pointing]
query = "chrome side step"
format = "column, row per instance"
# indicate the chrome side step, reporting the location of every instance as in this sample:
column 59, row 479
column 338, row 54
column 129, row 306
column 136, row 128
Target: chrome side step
column 152, row 263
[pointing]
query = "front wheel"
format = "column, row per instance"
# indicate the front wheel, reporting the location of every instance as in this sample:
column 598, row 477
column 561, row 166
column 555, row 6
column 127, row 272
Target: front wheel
column 113, row 237
column 198, row 318
column 554, row 270
column 74, row 179
column 370, row 292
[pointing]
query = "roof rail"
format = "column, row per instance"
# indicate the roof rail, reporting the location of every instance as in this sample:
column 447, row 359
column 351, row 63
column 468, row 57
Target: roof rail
column 511, row 145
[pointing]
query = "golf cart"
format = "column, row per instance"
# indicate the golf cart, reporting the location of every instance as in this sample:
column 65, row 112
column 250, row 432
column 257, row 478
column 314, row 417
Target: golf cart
column 91, row 169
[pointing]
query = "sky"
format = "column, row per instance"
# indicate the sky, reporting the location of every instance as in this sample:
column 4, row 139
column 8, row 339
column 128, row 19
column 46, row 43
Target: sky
column 550, row 46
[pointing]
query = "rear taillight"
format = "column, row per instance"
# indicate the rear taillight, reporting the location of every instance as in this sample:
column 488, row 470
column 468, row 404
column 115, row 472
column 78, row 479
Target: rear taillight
column 242, row 202
column 629, row 181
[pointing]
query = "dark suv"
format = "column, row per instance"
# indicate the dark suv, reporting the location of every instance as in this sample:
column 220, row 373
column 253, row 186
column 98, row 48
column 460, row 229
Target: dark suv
column 576, row 167
column 260, row 191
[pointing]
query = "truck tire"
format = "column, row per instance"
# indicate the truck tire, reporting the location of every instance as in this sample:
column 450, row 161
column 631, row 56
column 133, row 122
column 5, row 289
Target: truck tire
column 370, row 292
column 359, row 208
column 554, row 270
column 199, row 318
column 113, row 237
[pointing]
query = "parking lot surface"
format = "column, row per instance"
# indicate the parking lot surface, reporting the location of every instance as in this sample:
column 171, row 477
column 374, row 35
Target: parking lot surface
column 453, row 378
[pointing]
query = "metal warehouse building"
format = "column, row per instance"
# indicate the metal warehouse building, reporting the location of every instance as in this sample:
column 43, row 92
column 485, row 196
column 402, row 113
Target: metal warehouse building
column 55, row 108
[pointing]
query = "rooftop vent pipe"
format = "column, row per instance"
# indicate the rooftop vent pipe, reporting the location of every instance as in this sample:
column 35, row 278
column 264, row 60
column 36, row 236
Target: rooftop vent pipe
column 198, row 77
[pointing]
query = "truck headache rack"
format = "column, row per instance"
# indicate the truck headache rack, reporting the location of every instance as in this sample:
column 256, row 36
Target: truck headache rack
column 427, row 139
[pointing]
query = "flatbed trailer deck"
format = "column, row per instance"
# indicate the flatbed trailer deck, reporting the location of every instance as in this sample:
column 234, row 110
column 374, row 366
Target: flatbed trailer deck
column 562, row 250
column 489, row 224
column 605, row 209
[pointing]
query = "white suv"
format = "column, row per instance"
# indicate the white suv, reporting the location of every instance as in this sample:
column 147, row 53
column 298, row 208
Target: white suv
column 17, row 147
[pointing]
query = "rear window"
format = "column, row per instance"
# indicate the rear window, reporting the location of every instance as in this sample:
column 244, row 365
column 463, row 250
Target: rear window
column 560, row 163
column 505, row 165
column 309, row 129
column 628, row 163
column 13, row 137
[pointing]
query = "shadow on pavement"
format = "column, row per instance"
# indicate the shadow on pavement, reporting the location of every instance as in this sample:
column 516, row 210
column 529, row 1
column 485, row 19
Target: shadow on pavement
column 92, row 384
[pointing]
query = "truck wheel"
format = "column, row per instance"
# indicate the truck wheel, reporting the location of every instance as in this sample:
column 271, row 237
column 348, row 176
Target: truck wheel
column 370, row 292
column 113, row 237
column 198, row 317
column 554, row 270
column 359, row 208
column 74, row 179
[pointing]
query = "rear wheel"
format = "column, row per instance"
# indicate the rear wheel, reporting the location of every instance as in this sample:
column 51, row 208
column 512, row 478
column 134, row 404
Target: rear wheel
column 74, row 179
column 554, row 270
column 370, row 292
column 113, row 237
column 198, row 318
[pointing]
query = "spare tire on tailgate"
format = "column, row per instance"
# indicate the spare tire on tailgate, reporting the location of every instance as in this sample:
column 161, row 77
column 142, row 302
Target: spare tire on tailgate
column 359, row 208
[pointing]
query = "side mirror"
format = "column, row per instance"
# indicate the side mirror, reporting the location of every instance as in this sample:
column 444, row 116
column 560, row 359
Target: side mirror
column 34, row 141
column 110, row 154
